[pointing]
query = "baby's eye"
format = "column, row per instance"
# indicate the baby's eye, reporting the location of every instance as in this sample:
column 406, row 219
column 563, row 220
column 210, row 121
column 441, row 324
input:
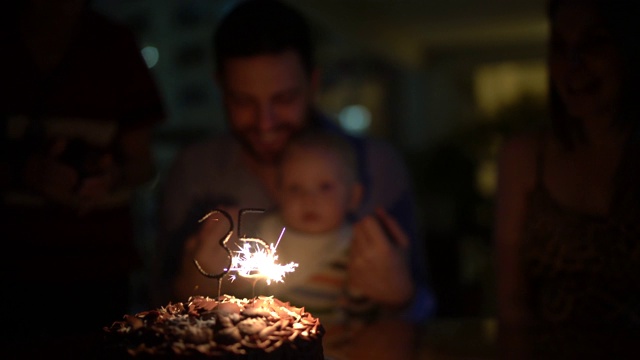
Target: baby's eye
column 293, row 189
column 326, row 186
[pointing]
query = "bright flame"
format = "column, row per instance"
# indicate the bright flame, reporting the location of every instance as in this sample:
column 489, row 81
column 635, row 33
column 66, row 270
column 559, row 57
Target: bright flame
column 256, row 260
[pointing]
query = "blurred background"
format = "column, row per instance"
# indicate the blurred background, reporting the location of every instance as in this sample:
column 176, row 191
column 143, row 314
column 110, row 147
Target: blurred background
column 444, row 81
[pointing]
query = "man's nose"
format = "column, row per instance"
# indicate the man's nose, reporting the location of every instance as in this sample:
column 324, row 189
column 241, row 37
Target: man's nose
column 266, row 117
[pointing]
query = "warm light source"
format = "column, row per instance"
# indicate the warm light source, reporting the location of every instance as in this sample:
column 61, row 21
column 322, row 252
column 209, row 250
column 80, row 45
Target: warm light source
column 257, row 260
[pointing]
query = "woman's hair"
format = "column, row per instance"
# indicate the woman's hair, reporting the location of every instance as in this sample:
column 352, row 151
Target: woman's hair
column 623, row 21
column 256, row 27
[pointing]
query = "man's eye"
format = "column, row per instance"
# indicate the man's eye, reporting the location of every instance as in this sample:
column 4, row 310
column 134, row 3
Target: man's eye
column 243, row 102
column 238, row 99
column 285, row 99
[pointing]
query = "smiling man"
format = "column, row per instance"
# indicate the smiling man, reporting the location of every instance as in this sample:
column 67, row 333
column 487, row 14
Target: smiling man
column 266, row 71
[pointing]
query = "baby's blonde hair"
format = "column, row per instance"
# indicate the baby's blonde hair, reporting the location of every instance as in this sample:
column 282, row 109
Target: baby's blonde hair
column 329, row 141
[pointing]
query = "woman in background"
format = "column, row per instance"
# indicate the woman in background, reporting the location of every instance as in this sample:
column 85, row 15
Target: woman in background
column 568, row 203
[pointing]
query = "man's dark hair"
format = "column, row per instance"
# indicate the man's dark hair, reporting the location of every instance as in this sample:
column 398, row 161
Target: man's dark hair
column 256, row 27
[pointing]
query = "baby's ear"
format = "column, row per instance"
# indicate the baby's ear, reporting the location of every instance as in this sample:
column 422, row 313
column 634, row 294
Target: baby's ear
column 357, row 191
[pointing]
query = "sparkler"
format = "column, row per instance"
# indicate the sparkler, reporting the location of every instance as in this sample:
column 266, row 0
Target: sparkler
column 257, row 260
column 254, row 260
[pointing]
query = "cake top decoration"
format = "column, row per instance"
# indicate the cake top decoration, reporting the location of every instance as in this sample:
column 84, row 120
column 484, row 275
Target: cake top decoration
column 255, row 259
column 223, row 242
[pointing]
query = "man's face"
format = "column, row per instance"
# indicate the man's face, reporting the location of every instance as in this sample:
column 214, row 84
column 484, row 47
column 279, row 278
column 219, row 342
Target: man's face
column 267, row 99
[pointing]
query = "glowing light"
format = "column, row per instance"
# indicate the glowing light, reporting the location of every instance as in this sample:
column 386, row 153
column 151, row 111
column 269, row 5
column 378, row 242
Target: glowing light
column 355, row 118
column 257, row 260
column 151, row 55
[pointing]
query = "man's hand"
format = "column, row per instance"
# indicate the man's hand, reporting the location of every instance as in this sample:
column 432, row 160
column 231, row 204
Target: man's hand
column 204, row 246
column 378, row 263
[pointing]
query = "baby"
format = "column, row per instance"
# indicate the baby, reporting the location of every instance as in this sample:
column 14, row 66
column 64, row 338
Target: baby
column 318, row 193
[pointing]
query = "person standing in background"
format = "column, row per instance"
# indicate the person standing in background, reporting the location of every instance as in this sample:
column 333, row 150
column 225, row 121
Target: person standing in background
column 265, row 68
column 568, row 204
column 77, row 107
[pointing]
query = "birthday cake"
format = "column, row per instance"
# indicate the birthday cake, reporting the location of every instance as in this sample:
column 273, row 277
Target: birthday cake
column 227, row 328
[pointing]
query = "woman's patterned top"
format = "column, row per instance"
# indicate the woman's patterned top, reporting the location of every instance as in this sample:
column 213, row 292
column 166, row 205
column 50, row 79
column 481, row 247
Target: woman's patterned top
column 583, row 271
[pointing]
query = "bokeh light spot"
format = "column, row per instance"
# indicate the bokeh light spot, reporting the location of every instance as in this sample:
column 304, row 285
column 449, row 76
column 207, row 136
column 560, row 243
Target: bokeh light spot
column 355, row 118
column 150, row 55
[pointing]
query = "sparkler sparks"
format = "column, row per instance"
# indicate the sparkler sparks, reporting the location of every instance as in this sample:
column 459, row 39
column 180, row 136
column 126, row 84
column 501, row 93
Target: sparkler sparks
column 257, row 260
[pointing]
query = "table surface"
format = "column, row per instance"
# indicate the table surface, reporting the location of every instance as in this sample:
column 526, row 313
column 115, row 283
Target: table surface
column 460, row 338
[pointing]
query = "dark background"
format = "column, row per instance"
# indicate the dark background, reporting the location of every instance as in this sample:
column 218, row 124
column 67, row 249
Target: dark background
column 444, row 81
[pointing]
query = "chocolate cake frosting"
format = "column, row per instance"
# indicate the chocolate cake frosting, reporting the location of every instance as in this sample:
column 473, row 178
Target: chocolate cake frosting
column 224, row 328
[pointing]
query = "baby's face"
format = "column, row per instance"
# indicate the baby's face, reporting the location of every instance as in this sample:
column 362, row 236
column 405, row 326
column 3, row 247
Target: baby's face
column 315, row 195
